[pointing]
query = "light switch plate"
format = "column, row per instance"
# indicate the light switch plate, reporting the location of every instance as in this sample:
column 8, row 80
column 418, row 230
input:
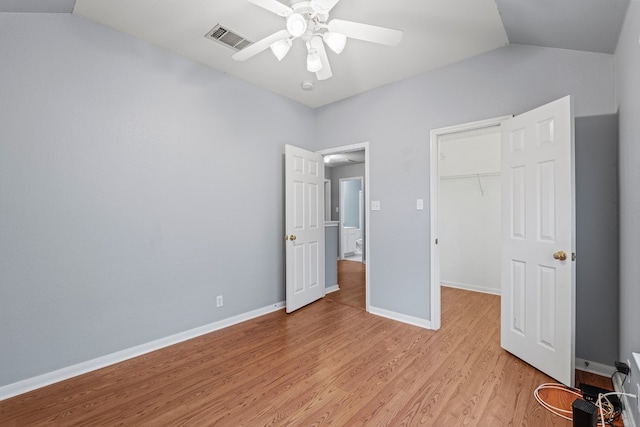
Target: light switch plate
column 375, row 205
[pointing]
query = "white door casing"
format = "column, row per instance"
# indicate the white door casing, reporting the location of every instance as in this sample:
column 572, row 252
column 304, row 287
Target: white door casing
column 304, row 227
column 538, row 221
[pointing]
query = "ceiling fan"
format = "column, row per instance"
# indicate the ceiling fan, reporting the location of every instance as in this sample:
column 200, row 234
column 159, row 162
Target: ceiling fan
column 307, row 20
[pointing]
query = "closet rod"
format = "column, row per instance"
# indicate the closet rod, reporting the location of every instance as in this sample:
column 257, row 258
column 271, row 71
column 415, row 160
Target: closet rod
column 471, row 175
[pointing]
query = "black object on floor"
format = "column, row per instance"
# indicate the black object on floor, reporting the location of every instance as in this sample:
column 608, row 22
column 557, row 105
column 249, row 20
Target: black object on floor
column 585, row 414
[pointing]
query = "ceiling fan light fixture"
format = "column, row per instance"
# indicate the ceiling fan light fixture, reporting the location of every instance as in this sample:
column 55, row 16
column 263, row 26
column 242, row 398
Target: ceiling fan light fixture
column 335, row 41
column 281, row 48
column 314, row 63
column 296, row 25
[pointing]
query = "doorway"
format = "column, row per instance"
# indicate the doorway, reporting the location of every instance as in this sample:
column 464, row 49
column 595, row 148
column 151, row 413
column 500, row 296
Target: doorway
column 463, row 169
column 353, row 154
column 351, row 209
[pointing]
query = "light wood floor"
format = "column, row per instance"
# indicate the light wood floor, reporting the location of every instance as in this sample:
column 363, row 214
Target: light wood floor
column 326, row 364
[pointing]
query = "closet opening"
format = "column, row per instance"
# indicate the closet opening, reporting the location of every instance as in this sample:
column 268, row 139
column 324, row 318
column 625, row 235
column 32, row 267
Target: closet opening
column 465, row 210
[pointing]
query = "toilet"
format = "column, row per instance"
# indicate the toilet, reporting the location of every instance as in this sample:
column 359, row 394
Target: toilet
column 358, row 246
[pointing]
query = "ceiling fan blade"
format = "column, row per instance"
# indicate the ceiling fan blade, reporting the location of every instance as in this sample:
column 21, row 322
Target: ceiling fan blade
column 366, row 32
column 274, row 6
column 257, row 47
column 324, row 5
column 325, row 72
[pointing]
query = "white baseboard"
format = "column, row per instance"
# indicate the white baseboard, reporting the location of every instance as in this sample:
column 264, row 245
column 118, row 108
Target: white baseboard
column 330, row 289
column 627, row 414
column 416, row 321
column 49, row 378
column 594, row 367
column 473, row 288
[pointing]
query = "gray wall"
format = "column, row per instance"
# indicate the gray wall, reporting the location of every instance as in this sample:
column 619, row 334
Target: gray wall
column 396, row 120
column 331, row 256
column 628, row 92
column 597, row 238
column 129, row 188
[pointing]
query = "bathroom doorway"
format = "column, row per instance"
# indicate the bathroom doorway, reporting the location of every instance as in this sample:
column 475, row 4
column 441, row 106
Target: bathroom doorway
column 349, row 162
column 352, row 219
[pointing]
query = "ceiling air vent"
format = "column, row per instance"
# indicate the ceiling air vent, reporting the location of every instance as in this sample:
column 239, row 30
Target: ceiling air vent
column 228, row 38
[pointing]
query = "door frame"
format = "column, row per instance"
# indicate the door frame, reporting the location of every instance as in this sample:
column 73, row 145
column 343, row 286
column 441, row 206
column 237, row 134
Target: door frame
column 341, row 204
column 367, row 191
column 434, row 201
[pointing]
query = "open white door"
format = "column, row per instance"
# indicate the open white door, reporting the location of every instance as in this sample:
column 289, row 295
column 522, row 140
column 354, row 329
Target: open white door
column 538, row 277
column 304, row 225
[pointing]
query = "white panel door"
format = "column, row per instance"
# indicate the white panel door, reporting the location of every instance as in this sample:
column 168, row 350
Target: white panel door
column 304, row 225
column 538, row 282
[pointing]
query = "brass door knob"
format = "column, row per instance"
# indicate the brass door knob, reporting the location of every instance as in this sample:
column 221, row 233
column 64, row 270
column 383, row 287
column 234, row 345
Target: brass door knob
column 560, row 255
column 292, row 237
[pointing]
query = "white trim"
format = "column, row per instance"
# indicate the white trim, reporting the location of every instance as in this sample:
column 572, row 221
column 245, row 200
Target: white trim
column 49, row 378
column 415, row 321
column 472, row 288
column 434, row 191
column 594, row 367
column 367, row 196
column 434, row 249
column 629, row 406
column 334, row 288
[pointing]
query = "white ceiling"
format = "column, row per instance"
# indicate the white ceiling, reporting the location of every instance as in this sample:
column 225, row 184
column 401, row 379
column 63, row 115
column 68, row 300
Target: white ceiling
column 436, row 33
column 346, row 158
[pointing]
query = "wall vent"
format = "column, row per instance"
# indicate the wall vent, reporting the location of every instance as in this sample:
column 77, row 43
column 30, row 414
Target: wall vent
column 228, row 38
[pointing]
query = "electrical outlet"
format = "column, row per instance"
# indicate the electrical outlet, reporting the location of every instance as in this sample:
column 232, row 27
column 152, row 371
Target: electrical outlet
column 219, row 301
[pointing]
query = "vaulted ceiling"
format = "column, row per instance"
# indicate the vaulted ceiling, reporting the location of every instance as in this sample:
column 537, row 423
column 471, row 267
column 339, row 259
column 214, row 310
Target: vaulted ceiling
column 435, row 33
